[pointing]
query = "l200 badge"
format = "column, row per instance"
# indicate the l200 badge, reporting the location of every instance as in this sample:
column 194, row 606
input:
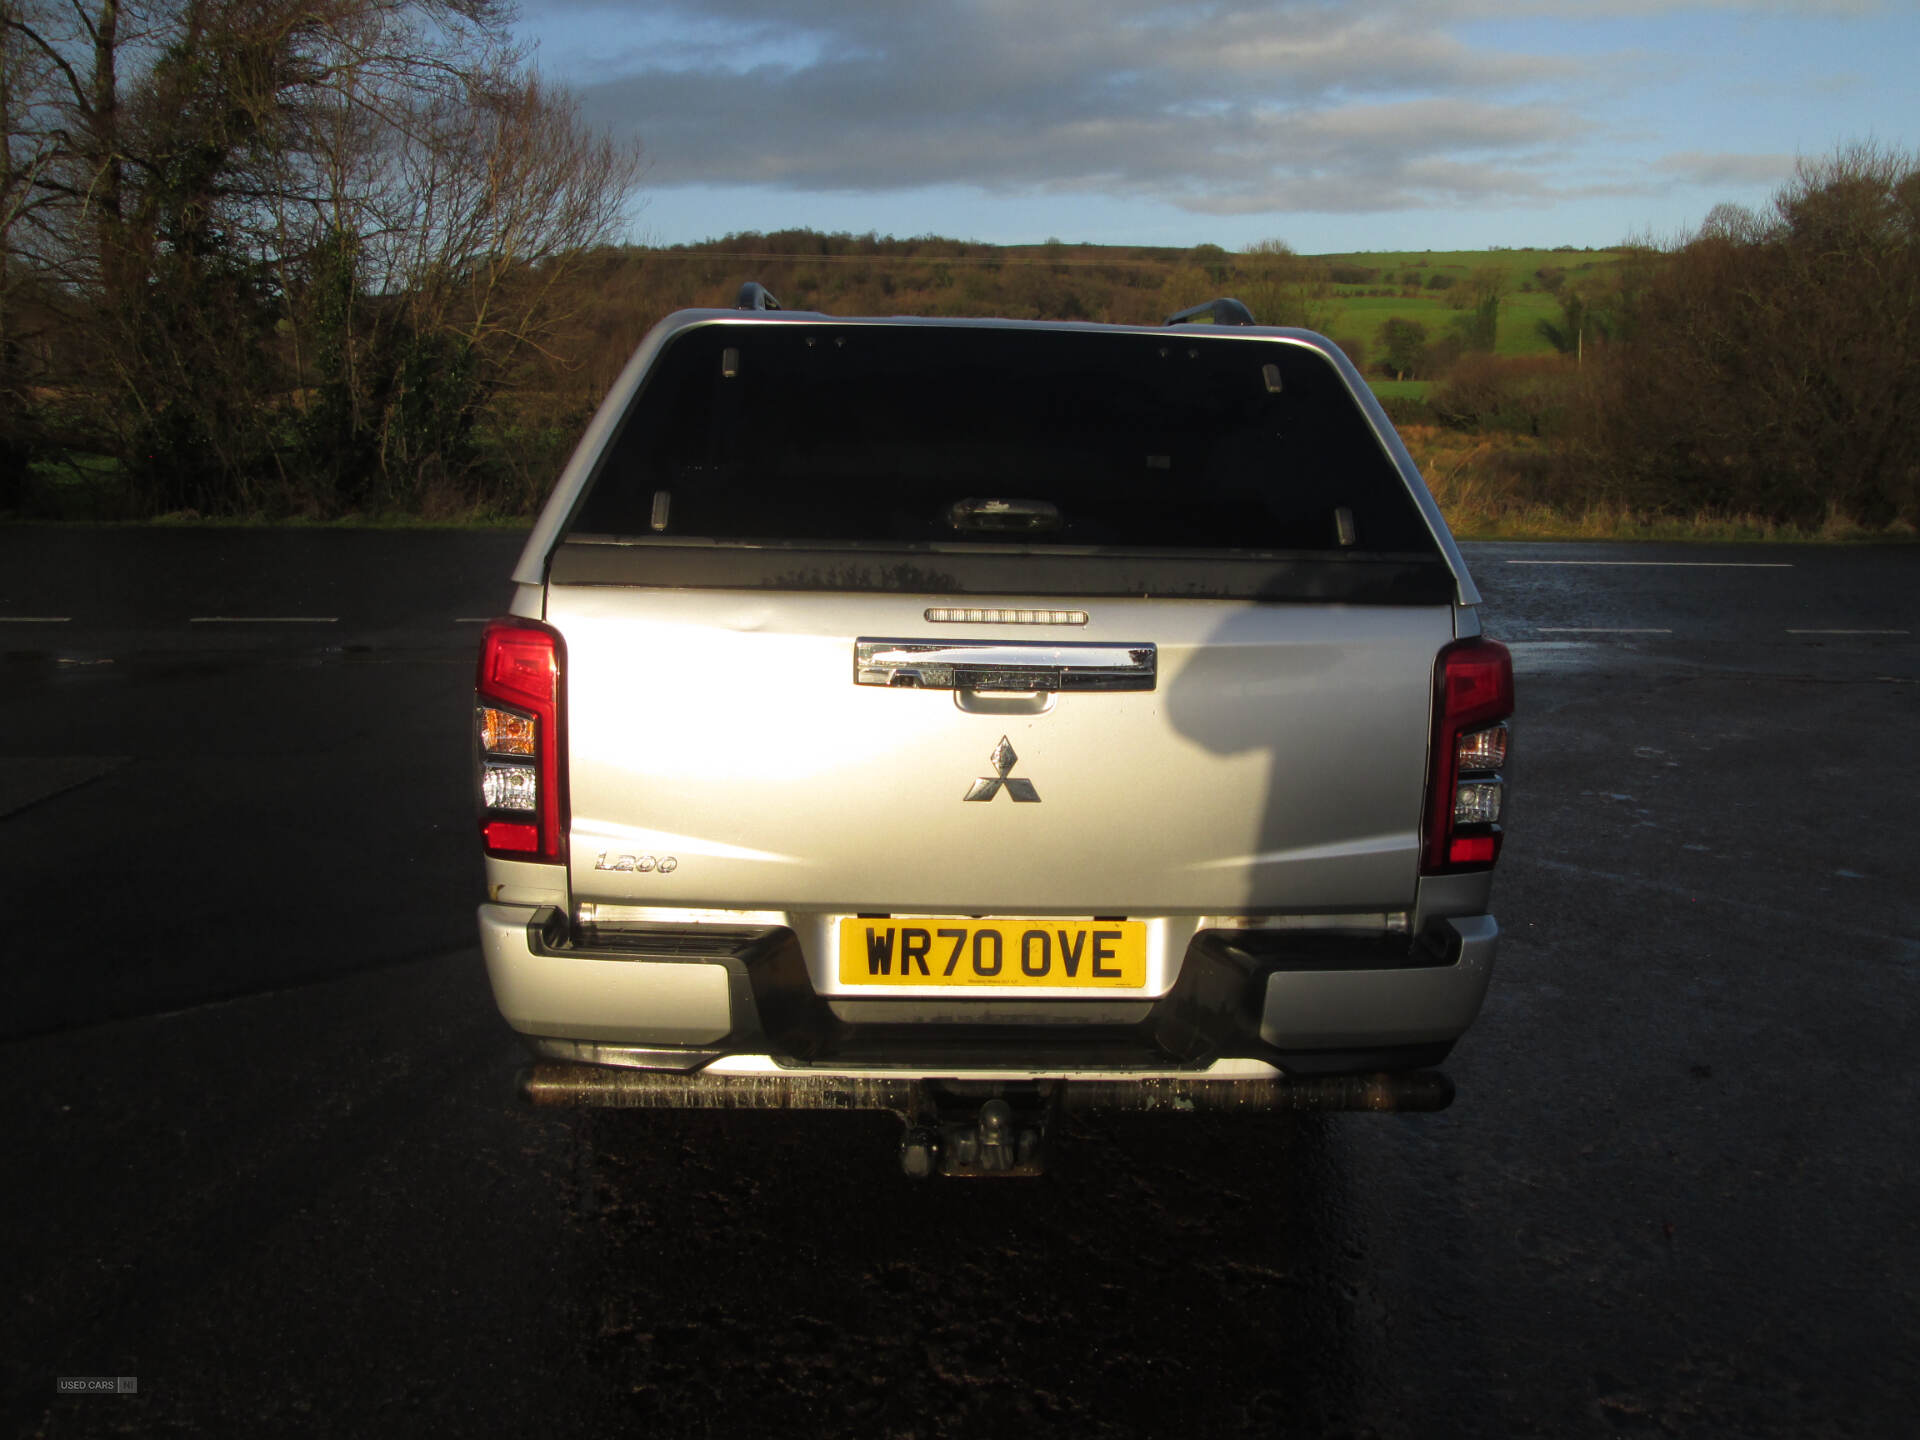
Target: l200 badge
column 636, row 864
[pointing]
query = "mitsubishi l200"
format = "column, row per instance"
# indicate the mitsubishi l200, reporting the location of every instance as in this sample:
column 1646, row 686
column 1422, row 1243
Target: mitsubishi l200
column 977, row 718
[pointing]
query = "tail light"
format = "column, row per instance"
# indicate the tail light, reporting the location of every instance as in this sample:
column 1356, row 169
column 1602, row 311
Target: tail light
column 1473, row 681
column 516, row 722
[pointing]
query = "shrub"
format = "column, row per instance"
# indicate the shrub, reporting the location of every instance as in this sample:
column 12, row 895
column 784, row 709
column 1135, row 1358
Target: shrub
column 1405, row 342
column 1406, row 410
column 1773, row 359
column 1523, row 394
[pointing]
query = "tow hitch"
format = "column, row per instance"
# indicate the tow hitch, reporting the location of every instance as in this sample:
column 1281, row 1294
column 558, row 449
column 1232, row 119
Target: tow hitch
column 999, row 1139
column 973, row 1127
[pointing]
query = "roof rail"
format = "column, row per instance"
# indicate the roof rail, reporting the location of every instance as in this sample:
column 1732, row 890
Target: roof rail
column 1224, row 311
column 755, row 296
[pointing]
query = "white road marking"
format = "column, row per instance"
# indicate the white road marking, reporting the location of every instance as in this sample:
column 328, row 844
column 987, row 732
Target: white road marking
column 34, row 619
column 1849, row 632
column 1671, row 564
column 1600, row 630
column 264, row 620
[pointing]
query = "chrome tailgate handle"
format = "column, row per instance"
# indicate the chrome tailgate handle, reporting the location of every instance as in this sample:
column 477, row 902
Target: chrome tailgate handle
column 1020, row 666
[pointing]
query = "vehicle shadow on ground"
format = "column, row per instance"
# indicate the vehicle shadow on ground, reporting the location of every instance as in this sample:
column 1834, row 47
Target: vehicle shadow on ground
column 743, row 1272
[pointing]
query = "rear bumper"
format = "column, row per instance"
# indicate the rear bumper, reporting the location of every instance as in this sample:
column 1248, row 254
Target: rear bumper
column 706, row 997
column 921, row 1101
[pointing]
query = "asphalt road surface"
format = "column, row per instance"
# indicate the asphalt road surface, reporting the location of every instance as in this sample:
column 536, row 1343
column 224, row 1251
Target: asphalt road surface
column 264, row 1156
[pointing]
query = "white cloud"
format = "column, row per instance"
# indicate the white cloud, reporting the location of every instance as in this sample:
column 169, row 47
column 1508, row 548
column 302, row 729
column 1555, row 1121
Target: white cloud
column 1699, row 167
column 1231, row 107
column 1630, row 9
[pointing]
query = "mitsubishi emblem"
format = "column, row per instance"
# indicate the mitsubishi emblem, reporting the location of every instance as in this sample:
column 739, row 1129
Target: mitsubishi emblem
column 987, row 786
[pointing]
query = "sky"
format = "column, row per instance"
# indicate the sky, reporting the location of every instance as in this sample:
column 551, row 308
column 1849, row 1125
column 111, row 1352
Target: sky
column 1362, row 125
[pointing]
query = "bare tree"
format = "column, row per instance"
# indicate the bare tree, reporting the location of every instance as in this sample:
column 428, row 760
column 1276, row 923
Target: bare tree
column 1286, row 288
column 25, row 153
column 479, row 205
column 282, row 224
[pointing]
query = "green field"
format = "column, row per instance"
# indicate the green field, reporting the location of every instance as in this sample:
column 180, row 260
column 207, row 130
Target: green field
column 1359, row 310
column 1400, row 389
column 1519, row 264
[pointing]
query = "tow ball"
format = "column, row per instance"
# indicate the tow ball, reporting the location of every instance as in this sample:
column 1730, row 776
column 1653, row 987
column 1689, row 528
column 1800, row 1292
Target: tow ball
column 998, row 1140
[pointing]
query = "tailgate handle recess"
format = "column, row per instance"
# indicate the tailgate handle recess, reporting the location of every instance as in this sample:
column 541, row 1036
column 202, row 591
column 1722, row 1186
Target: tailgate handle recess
column 1015, row 666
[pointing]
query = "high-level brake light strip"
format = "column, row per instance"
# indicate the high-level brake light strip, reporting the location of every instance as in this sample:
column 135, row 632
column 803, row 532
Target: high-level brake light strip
column 264, row 620
column 1601, row 630
column 1849, row 632
column 35, row 619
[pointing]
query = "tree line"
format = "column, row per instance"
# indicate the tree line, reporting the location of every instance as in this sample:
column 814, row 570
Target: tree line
column 1774, row 363
column 1767, row 365
column 281, row 256
column 321, row 257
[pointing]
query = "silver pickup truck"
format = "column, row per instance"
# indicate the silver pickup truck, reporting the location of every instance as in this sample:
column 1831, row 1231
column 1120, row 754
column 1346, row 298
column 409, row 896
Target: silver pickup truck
column 978, row 718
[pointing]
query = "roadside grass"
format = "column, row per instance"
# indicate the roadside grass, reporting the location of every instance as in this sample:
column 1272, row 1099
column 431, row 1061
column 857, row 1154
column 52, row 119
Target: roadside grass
column 1539, row 522
column 1490, row 486
column 1499, row 487
column 77, row 486
column 89, row 490
column 80, row 488
column 1472, row 477
column 480, row 518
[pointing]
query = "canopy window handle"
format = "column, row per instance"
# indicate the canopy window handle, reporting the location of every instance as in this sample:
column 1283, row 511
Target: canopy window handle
column 1028, row 667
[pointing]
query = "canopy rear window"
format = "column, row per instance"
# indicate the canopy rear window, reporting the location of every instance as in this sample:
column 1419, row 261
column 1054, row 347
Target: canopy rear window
column 940, row 440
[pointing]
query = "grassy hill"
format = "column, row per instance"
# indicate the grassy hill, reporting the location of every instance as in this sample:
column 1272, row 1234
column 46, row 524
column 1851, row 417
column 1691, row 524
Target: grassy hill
column 1350, row 295
column 1403, row 284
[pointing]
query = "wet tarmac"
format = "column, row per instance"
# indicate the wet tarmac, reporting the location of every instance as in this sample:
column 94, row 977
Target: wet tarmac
column 267, row 1158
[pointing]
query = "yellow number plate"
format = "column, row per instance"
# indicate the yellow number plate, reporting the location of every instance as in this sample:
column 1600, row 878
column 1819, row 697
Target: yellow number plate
column 929, row 950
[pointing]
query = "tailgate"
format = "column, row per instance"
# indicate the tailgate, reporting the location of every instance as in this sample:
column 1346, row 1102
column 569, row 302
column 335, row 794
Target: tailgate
column 722, row 754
